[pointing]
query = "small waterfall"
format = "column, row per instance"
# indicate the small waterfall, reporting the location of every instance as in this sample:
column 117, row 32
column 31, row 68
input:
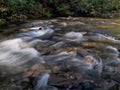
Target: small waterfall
column 112, row 54
column 42, row 81
column 12, row 44
column 106, row 36
column 17, row 55
column 113, row 50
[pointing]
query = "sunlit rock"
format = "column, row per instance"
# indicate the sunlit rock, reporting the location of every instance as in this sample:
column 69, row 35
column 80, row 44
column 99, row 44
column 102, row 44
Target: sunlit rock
column 31, row 29
column 36, row 28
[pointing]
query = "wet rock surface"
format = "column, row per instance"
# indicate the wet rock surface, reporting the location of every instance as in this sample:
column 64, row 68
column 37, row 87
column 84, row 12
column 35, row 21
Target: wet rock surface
column 71, row 55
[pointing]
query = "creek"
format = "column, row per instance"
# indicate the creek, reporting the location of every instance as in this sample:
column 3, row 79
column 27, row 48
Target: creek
column 61, row 54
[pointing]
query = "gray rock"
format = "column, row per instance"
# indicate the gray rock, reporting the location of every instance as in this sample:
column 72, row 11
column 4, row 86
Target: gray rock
column 40, row 34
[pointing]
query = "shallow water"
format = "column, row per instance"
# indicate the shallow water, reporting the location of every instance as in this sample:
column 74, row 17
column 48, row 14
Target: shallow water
column 81, row 50
column 42, row 82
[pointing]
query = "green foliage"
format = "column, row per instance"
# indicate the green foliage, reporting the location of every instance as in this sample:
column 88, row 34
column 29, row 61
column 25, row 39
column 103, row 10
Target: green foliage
column 19, row 10
column 2, row 22
column 23, row 6
column 18, row 18
column 3, row 12
column 99, row 7
column 54, row 1
column 64, row 9
column 16, row 4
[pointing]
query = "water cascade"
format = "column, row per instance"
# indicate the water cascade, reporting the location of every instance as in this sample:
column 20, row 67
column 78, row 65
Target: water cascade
column 42, row 83
column 77, row 56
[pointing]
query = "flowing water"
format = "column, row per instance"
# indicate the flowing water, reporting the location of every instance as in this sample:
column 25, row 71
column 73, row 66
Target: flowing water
column 79, row 53
column 42, row 81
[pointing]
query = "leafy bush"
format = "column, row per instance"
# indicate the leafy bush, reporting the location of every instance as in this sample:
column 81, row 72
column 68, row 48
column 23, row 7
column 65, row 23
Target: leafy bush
column 3, row 22
column 25, row 7
column 95, row 7
column 3, row 12
column 13, row 10
column 64, row 9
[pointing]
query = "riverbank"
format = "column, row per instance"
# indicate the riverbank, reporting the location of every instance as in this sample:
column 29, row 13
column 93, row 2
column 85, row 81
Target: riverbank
column 110, row 26
column 16, row 11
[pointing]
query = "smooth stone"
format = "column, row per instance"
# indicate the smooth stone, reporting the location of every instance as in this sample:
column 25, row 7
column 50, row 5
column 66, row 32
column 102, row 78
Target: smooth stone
column 31, row 29
column 40, row 34
column 75, row 37
column 36, row 28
